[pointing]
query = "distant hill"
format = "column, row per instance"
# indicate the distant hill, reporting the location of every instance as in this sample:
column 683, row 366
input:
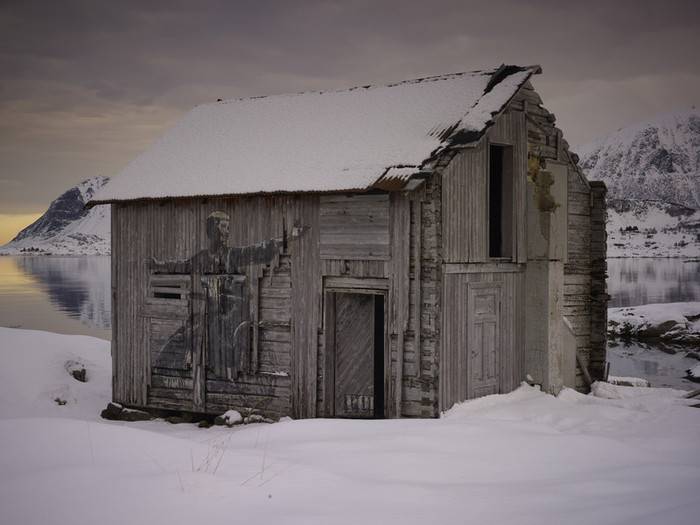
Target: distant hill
column 639, row 228
column 654, row 160
column 67, row 228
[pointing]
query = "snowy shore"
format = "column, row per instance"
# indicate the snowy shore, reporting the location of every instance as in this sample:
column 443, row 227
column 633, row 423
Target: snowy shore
column 621, row 455
column 677, row 323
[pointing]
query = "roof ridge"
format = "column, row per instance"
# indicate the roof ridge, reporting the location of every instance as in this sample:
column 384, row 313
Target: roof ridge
column 430, row 78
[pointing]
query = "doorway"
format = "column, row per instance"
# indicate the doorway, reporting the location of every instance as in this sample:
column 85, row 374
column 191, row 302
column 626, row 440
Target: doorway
column 355, row 371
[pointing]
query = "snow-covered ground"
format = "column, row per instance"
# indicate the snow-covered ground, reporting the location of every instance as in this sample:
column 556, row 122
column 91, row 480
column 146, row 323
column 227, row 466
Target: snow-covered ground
column 668, row 322
column 643, row 228
column 622, row 455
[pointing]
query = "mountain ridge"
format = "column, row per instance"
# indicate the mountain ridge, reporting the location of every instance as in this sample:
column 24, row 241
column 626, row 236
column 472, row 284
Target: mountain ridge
column 67, row 227
column 658, row 159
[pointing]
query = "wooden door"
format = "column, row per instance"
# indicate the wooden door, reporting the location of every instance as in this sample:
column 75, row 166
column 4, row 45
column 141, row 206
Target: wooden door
column 354, row 335
column 484, row 339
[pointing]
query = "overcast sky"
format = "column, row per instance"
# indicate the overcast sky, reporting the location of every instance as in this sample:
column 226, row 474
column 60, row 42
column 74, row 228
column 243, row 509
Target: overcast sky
column 87, row 85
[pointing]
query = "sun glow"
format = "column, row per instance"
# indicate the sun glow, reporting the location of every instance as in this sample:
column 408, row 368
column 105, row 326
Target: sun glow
column 11, row 224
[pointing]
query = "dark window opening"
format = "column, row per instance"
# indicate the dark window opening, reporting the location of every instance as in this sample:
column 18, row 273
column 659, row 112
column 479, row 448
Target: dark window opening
column 167, row 295
column 378, row 356
column 500, row 201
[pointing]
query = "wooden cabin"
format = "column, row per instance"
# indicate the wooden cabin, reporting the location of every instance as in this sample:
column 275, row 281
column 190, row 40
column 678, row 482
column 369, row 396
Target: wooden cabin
column 381, row 251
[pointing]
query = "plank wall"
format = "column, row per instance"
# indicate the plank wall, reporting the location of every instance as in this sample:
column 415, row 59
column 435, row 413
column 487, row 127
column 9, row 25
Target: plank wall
column 465, row 258
column 584, row 271
column 284, row 372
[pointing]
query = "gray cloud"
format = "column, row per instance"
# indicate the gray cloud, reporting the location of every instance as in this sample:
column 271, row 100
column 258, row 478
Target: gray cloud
column 87, row 85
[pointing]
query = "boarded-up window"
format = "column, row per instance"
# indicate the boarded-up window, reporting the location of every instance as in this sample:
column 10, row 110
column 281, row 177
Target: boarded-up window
column 355, row 227
column 168, row 312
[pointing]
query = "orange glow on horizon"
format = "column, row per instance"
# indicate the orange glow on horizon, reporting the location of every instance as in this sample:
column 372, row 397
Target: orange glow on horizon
column 12, row 223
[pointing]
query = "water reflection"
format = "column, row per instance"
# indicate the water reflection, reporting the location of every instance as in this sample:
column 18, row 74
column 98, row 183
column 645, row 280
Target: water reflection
column 662, row 366
column 59, row 294
column 632, row 282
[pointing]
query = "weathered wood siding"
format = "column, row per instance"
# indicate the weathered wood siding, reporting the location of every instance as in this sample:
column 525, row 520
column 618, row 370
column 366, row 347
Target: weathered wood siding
column 420, row 250
column 599, row 291
column 411, row 282
column 455, row 372
column 355, row 228
column 465, row 194
column 286, row 316
column 283, row 373
column 580, row 272
column 465, row 259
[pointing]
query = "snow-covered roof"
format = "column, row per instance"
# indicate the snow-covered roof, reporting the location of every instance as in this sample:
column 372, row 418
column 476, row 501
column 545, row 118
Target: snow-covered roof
column 316, row 141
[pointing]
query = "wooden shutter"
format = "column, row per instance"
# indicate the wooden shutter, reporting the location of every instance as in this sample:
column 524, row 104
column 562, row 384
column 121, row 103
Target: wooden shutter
column 168, row 313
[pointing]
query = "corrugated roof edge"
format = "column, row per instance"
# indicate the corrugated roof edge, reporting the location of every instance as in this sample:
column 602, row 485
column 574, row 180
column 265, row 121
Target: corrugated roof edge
column 451, row 137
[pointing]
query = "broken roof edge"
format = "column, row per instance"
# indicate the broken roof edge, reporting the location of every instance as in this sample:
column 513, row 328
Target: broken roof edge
column 460, row 137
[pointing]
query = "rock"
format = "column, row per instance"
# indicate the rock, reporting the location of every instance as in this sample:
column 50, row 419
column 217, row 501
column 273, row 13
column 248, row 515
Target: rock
column 116, row 412
column 230, row 418
column 80, row 375
column 60, row 402
column 112, row 412
column 693, row 374
column 204, row 424
column 176, row 420
column 130, row 414
column 254, row 418
column 652, row 331
column 77, row 370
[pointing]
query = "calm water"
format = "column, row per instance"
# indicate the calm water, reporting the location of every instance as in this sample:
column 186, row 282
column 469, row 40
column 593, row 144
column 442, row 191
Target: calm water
column 632, row 282
column 68, row 295
column 71, row 295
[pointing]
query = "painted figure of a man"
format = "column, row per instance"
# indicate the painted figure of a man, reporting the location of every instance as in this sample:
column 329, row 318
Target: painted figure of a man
column 221, row 325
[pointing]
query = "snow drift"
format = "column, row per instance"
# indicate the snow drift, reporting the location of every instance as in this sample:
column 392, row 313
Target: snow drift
column 623, row 455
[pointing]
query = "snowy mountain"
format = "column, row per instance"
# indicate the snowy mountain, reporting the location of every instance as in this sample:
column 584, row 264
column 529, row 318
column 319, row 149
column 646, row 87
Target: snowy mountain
column 67, row 228
column 652, row 171
column 655, row 160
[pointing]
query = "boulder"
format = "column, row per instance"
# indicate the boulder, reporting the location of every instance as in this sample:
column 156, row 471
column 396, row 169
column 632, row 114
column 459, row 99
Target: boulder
column 130, row 414
column 112, row 412
column 80, row 375
column 116, row 412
